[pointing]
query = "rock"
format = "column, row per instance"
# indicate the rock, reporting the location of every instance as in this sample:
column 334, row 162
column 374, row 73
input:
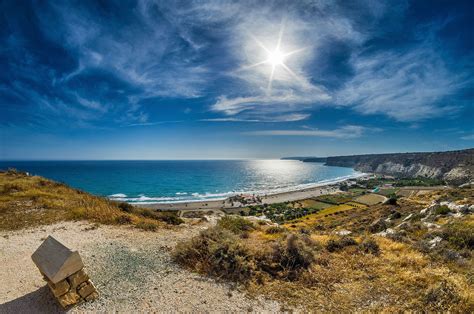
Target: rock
column 59, row 288
column 343, row 232
column 408, row 217
column 434, row 242
column 93, row 296
column 86, row 289
column 77, row 278
column 55, row 261
column 431, row 225
column 68, row 299
column 377, row 226
column 395, row 215
column 386, row 232
column 403, row 225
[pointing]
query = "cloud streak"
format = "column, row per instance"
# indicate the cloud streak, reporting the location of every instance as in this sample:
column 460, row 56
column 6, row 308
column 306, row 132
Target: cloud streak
column 345, row 132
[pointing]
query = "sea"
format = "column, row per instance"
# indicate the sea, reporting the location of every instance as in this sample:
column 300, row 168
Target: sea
column 165, row 181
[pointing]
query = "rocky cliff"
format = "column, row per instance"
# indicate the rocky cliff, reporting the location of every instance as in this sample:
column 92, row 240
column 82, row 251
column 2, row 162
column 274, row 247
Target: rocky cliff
column 455, row 167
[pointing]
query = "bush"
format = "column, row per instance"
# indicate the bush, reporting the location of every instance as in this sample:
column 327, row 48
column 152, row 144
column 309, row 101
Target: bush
column 293, row 255
column 392, row 200
column 235, row 224
column 460, row 235
column 126, row 207
column 218, row 252
column 11, row 188
column 123, row 220
column 147, row 226
column 222, row 253
column 395, row 215
column 335, row 245
column 274, row 230
column 168, row 217
column 442, row 210
column 370, row 246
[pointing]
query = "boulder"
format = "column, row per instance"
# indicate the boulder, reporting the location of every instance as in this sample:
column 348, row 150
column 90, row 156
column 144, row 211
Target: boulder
column 377, row 226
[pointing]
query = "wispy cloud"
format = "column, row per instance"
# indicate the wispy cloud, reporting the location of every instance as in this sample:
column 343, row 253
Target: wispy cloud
column 407, row 86
column 469, row 137
column 278, row 118
column 74, row 60
column 155, row 123
column 345, row 132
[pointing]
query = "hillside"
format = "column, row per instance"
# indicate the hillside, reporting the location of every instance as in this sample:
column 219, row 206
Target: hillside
column 455, row 167
column 340, row 252
column 29, row 201
column 340, row 255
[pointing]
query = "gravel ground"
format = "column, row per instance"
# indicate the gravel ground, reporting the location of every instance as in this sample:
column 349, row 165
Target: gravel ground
column 132, row 270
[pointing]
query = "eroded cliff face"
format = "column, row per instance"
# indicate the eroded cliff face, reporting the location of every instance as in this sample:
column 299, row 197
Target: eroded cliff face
column 455, row 167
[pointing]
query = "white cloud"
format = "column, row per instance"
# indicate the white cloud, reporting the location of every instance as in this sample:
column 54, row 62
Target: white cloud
column 293, row 117
column 284, row 102
column 407, row 86
column 345, row 132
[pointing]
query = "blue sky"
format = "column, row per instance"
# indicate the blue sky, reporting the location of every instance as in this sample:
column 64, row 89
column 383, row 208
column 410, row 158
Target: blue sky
column 246, row 79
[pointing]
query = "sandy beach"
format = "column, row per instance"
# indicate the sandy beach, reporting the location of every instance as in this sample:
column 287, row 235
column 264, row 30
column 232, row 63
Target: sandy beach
column 265, row 199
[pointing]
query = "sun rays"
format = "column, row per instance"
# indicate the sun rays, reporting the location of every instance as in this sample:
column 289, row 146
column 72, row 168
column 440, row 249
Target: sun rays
column 275, row 58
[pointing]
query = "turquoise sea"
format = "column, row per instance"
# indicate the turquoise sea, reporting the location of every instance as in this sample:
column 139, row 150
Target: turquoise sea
column 183, row 180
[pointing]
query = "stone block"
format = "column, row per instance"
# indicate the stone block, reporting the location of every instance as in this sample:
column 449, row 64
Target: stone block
column 94, row 295
column 59, row 288
column 55, row 261
column 68, row 299
column 86, row 289
column 77, row 278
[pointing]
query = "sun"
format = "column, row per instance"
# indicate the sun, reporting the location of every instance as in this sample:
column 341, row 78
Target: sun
column 276, row 57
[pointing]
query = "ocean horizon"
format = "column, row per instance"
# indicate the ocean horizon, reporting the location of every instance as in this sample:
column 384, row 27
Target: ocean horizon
column 170, row 181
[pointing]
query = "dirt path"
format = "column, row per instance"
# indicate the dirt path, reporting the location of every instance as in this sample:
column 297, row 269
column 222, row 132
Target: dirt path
column 132, row 269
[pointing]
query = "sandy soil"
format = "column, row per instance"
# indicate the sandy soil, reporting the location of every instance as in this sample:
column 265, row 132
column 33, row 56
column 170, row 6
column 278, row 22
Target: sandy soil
column 132, row 270
column 266, row 199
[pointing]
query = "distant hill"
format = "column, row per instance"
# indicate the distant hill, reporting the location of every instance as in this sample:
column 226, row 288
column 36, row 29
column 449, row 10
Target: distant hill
column 313, row 159
column 455, row 167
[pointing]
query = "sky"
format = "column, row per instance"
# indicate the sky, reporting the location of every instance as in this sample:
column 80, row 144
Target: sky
column 234, row 79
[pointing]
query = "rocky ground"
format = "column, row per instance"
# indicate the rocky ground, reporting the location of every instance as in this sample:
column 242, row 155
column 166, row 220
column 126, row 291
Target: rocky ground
column 132, row 270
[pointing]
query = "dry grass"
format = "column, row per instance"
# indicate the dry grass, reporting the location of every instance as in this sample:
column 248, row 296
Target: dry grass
column 28, row 201
column 370, row 199
column 305, row 264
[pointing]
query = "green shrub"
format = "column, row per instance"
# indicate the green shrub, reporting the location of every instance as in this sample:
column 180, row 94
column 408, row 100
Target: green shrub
column 392, row 200
column 235, row 224
column 126, row 207
column 460, row 235
column 442, row 210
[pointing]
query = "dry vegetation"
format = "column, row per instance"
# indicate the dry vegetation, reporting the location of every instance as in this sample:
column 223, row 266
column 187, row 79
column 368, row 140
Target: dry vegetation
column 305, row 262
column 28, row 201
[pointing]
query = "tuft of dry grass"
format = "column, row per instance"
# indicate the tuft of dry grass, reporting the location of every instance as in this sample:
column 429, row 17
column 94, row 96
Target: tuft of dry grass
column 29, row 201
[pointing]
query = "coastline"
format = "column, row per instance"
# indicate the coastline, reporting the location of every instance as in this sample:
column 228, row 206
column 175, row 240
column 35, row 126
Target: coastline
column 271, row 198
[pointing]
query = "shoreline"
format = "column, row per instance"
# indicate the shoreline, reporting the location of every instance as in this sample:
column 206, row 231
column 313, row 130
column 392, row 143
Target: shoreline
column 279, row 197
